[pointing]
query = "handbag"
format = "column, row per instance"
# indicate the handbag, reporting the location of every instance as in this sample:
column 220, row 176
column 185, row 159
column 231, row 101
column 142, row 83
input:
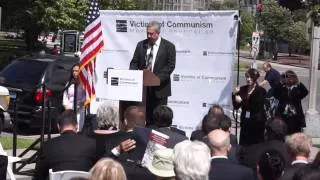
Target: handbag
column 289, row 110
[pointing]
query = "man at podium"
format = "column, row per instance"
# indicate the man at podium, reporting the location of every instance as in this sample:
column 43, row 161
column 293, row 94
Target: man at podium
column 159, row 56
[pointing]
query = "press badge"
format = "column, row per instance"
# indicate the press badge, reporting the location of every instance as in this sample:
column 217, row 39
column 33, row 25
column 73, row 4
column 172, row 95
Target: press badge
column 247, row 114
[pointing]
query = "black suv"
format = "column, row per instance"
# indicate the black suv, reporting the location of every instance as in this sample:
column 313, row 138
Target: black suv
column 27, row 74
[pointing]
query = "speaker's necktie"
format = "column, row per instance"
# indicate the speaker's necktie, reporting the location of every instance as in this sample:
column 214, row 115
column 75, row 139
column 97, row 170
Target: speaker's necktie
column 150, row 58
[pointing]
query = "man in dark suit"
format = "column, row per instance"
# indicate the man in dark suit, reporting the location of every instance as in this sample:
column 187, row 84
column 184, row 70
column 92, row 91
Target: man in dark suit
column 69, row 151
column 159, row 56
column 163, row 116
column 275, row 132
column 221, row 167
column 299, row 148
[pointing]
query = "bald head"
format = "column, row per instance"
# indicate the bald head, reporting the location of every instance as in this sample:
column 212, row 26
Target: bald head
column 219, row 141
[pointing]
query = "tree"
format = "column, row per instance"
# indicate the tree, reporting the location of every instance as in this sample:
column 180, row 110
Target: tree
column 274, row 21
column 36, row 16
column 296, row 36
column 66, row 14
column 223, row 5
column 300, row 15
column 247, row 27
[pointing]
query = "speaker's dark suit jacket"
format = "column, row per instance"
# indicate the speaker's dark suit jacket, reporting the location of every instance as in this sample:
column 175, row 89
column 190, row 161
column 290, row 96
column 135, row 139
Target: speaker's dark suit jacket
column 289, row 172
column 69, row 151
column 224, row 169
column 163, row 66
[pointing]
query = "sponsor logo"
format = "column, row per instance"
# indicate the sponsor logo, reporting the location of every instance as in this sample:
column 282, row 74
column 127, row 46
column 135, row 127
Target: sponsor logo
column 121, row 26
column 205, row 53
column 114, row 81
column 176, row 77
column 183, row 52
column 178, row 102
column 212, row 53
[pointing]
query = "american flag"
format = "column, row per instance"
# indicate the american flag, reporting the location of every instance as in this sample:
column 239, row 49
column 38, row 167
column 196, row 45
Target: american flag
column 92, row 45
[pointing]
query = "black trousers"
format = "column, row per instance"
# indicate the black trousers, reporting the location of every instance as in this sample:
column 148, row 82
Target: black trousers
column 151, row 103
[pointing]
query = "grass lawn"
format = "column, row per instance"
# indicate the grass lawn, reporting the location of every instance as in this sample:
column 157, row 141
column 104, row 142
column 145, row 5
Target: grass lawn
column 244, row 66
column 21, row 143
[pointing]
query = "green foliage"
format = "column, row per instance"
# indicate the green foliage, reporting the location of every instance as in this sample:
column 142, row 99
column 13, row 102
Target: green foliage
column 274, row 20
column 300, row 15
column 223, row 5
column 296, row 36
column 124, row 4
column 66, row 14
column 247, row 27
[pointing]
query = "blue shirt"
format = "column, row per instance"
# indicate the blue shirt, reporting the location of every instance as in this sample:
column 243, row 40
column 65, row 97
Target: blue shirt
column 273, row 77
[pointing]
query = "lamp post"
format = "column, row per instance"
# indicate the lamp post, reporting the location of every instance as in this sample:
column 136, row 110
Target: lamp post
column 312, row 115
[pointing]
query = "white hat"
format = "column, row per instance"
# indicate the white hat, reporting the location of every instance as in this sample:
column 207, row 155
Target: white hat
column 162, row 163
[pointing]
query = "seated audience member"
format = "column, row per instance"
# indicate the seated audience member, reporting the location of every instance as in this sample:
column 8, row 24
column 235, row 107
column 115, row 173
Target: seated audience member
column 133, row 117
column 225, row 124
column 191, row 160
column 199, row 134
column 161, row 164
column 163, row 116
column 270, row 165
column 221, row 167
column 107, row 169
column 316, row 160
column 307, row 172
column 122, row 143
column 275, row 132
column 299, row 148
column 107, row 119
column 69, row 151
column 107, row 126
column 212, row 122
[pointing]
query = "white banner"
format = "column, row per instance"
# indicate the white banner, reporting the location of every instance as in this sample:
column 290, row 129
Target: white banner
column 205, row 44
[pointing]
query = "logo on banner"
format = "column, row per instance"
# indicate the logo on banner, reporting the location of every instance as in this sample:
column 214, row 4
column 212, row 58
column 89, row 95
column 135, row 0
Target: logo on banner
column 114, row 81
column 121, row 26
column 205, row 53
column 183, row 51
column 176, row 77
column 211, row 53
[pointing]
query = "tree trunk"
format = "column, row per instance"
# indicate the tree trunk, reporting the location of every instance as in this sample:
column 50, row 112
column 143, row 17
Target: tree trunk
column 31, row 37
column 275, row 50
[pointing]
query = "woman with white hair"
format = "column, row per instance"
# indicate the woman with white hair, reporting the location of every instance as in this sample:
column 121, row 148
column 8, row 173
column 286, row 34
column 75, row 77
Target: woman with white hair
column 191, row 160
column 107, row 120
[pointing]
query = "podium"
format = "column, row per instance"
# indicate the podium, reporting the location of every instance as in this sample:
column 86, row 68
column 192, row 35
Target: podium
column 149, row 80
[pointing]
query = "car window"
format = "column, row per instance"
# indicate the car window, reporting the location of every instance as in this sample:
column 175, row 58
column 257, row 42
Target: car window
column 23, row 73
column 60, row 74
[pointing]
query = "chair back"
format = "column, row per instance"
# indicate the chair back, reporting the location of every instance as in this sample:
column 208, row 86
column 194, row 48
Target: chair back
column 68, row 174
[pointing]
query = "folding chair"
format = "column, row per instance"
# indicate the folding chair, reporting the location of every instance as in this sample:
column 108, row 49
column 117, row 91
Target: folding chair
column 11, row 159
column 67, row 175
